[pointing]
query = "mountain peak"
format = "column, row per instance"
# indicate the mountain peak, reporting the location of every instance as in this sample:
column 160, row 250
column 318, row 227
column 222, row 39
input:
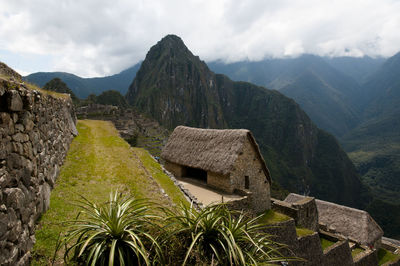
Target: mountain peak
column 170, row 71
column 171, row 46
column 171, row 38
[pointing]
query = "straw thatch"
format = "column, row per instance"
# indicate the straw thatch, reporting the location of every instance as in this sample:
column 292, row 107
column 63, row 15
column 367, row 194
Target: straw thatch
column 212, row 150
column 352, row 223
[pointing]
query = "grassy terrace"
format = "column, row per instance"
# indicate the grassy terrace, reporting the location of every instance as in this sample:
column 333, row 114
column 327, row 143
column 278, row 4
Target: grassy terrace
column 386, row 256
column 356, row 251
column 325, row 243
column 300, row 231
column 273, row 217
column 98, row 162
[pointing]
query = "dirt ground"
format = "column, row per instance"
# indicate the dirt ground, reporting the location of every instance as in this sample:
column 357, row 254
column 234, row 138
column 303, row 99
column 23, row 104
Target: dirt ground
column 205, row 194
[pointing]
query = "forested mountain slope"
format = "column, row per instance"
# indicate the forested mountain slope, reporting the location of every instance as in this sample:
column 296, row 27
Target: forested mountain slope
column 176, row 87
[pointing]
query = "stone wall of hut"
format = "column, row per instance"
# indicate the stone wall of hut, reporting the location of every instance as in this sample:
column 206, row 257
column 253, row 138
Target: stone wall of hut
column 35, row 132
column 220, row 182
column 175, row 169
column 248, row 164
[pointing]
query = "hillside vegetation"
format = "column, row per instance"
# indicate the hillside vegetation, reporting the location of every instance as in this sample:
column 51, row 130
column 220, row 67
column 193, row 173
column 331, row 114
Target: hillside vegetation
column 99, row 162
column 57, row 85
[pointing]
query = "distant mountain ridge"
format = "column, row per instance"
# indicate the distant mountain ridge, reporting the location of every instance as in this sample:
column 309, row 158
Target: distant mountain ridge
column 358, row 100
column 83, row 87
column 375, row 143
column 175, row 87
column 323, row 91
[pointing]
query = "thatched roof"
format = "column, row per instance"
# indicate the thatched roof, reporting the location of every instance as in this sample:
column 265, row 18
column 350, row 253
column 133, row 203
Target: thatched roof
column 352, row 223
column 214, row 150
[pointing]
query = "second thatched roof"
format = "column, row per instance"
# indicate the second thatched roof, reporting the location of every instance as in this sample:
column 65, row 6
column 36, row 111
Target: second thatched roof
column 214, row 150
column 353, row 223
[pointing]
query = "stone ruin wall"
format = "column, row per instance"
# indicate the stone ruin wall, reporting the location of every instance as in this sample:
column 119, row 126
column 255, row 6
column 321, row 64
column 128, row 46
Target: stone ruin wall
column 35, row 132
column 309, row 247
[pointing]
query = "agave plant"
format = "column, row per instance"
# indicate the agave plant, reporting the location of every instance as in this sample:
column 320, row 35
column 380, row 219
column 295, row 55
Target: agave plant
column 113, row 233
column 216, row 235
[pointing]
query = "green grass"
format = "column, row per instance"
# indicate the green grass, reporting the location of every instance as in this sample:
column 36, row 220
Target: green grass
column 325, row 243
column 98, row 162
column 162, row 179
column 356, row 251
column 300, row 231
column 386, row 256
column 273, row 217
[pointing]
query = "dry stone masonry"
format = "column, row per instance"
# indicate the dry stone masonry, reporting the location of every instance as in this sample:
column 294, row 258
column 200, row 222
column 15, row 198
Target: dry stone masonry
column 35, row 132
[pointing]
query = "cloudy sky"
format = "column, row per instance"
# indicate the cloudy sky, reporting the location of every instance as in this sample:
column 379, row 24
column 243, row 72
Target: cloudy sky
column 102, row 37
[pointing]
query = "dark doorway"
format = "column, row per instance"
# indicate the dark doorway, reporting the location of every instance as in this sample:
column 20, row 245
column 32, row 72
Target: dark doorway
column 246, row 182
column 196, row 173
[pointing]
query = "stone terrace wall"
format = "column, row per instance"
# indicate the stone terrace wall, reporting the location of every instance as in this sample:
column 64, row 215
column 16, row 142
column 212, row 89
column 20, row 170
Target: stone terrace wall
column 35, row 132
column 339, row 250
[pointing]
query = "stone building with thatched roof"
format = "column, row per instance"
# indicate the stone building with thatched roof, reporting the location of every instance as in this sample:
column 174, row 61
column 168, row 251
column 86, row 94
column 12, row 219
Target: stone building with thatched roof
column 228, row 160
column 354, row 224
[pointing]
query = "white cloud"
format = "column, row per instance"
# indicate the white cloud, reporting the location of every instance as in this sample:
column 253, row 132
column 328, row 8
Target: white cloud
column 99, row 37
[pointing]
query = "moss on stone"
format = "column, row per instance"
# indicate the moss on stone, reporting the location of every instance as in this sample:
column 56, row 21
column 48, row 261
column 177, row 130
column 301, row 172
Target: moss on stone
column 325, row 243
column 273, row 217
column 386, row 256
column 300, row 231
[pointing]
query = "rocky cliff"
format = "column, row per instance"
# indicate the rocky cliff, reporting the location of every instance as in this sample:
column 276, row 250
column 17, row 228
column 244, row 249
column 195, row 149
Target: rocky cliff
column 36, row 129
column 177, row 88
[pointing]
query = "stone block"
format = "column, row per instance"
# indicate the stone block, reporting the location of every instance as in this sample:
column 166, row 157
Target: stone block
column 46, row 196
column 17, row 148
column 29, row 101
column 14, row 101
column 3, row 223
column 5, row 149
column 15, row 197
column 14, row 161
column 20, row 137
column 26, row 176
column 14, row 177
column 13, row 255
column 24, row 261
column 27, row 150
column 24, row 240
column 15, row 232
column 19, row 128
column 15, row 117
column 28, row 124
column 5, row 118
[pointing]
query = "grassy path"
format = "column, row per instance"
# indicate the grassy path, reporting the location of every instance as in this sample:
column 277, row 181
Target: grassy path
column 98, row 162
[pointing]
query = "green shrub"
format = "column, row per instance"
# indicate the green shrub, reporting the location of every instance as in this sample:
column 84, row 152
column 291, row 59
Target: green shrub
column 113, row 233
column 216, row 235
column 126, row 231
